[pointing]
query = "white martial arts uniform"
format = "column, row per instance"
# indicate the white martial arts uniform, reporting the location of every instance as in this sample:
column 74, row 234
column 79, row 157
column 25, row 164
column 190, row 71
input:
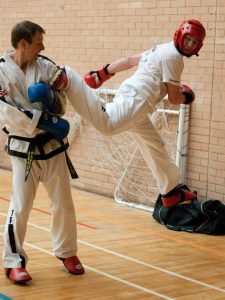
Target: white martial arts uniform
column 134, row 100
column 49, row 165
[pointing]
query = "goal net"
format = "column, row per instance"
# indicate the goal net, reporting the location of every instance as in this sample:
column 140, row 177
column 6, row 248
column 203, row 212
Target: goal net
column 118, row 156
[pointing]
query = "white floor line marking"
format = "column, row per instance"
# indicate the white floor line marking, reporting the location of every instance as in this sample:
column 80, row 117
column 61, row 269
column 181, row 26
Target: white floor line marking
column 155, row 267
column 133, row 285
column 138, row 261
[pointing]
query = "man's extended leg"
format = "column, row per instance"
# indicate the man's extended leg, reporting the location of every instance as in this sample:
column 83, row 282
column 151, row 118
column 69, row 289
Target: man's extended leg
column 108, row 118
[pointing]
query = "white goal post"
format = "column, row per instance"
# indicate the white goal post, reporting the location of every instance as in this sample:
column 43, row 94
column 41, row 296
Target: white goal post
column 181, row 152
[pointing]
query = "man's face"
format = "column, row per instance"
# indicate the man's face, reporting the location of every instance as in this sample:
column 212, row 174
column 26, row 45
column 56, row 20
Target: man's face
column 32, row 50
column 189, row 44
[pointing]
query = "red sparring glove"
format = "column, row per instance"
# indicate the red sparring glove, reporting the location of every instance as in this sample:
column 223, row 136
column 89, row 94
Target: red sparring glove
column 188, row 94
column 96, row 78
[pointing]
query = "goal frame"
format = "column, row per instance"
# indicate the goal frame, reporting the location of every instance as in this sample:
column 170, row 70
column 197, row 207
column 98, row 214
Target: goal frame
column 181, row 154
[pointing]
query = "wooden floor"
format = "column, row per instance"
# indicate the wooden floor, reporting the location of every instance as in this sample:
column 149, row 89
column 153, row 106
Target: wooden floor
column 126, row 254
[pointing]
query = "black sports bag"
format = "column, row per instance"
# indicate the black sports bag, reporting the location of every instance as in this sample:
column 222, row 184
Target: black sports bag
column 206, row 217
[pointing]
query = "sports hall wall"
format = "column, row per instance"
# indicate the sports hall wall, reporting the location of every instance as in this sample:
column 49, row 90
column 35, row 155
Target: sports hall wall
column 88, row 34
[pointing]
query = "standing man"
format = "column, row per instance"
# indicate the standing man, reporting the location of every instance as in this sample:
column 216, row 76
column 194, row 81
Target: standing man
column 37, row 144
column 158, row 73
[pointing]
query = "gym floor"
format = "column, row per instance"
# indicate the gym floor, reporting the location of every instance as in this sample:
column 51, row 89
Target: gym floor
column 126, row 254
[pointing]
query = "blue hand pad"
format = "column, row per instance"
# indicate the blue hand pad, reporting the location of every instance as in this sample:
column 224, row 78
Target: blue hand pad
column 41, row 92
column 57, row 126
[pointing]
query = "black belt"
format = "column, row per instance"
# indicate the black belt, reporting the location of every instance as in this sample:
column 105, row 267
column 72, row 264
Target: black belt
column 39, row 141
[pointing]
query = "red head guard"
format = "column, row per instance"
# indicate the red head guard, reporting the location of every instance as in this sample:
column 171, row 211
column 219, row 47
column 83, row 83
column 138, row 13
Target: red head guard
column 195, row 29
